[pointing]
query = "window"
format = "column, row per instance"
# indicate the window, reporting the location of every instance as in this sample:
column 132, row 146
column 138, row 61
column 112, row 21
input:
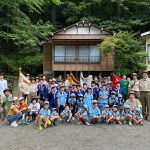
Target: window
column 59, row 53
column 79, row 54
column 148, row 50
column 89, row 54
column 70, row 53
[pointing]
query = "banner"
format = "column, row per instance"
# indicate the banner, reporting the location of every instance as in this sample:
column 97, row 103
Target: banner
column 115, row 79
column 23, row 84
column 87, row 80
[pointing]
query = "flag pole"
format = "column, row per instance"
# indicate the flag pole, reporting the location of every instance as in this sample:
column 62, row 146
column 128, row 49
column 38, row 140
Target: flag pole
column 19, row 93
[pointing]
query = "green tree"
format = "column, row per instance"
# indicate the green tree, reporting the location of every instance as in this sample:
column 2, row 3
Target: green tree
column 129, row 53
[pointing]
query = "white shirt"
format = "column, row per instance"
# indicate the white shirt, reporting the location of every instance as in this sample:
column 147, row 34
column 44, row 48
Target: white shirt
column 3, row 86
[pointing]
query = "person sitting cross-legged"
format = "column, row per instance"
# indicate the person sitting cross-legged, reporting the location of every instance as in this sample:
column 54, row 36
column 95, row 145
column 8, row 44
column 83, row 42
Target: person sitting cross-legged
column 14, row 114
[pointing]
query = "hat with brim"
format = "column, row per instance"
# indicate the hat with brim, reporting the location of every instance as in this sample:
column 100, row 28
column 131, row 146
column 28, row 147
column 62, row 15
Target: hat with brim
column 32, row 79
column 131, row 92
column 53, row 80
column 27, row 74
column 21, row 98
column 94, row 101
column 115, row 106
column 138, row 110
column 37, row 78
column 72, row 95
column 145, row 71
column 67, row 75
column 62, row 87
column 15, row 98
column 46, row 103
column 127, row 106
column 6, row 90
column 134, row 74
column 104, row 85
column 113, row 93
column 81, row 95
column 54, row 109
column 106, row 106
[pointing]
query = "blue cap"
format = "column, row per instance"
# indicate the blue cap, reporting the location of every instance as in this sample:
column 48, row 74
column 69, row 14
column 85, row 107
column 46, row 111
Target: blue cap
column 138, row 110
column 85, row 106
column 115, row 106
column 94, row 101
column 127, row 107
column 72, row 95
column 80, row 95
column 119, row 96
column 113, row 92
column 106, row 106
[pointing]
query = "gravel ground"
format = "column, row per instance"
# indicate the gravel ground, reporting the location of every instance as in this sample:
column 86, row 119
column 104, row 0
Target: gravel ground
column 72, row 137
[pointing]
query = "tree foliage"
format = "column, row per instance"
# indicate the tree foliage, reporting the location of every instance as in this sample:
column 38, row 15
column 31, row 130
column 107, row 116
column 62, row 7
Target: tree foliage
column 24, row 24
column 129, row 53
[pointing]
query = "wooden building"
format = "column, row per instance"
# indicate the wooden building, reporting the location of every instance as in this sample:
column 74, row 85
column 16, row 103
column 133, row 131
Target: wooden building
column 75, row 49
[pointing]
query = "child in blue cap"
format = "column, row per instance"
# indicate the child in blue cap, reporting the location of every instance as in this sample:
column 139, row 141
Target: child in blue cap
column 115, row 115
column 54, row 116
column 127, row 115
column 43, row 117
column 72, row 103
column 112, row 99
column 94, row 113
column 103, row 97
column 105, row 114
column 83, row 116
column 66, row 114
column 138, row 117
column 79, row 103
column 88, row 97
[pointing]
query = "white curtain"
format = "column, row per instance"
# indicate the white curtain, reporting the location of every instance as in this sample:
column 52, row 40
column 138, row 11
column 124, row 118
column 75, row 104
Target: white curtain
column 83, row 53
column 70, row 53
column 94, row 53
column 59, row 53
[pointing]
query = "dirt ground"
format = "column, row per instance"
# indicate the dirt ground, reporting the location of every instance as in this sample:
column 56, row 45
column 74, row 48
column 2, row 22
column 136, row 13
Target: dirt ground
column 72, row 137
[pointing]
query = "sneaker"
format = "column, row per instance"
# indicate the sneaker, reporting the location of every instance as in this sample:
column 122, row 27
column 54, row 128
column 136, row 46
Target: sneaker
column 141, row 124
column 23, row 121
column 88, row 124
column 114, row 122
column 55, row 124
column 40, row 128
column 124, row 122
column 120, row 123
column 130, row 124
column 14, row 124
column 79, row 123
column 52, row 125
column 73, row 118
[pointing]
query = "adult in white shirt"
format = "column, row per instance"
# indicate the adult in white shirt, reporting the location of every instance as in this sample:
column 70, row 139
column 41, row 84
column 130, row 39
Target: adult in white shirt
column 3, row 84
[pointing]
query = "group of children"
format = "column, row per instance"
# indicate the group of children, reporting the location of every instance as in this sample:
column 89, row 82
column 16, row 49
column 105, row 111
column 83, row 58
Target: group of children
column 72, row 104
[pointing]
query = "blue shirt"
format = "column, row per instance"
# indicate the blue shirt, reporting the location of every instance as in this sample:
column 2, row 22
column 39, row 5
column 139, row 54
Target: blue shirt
column 139, row 115
column 104, row 96
column 120, row 102
column 94, row 111
column 72, row 101
column 83, row 113
column 88, row 98
column 62, row 96
column 45, row 113
column 126, row 113
column 79, row 103
column 51, row 115
column 107, row 113
column 112, row 101
column 67, row 113
column 115, row 113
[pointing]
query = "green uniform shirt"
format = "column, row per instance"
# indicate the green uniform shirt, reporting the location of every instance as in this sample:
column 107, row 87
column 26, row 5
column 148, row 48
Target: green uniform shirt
column 124, row 85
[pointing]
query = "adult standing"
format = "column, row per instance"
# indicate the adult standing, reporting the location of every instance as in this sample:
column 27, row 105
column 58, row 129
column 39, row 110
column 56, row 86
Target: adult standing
column 145, row 94
column 134, row 85
column 3, row 84
column 124, row 83
column 67, row 81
